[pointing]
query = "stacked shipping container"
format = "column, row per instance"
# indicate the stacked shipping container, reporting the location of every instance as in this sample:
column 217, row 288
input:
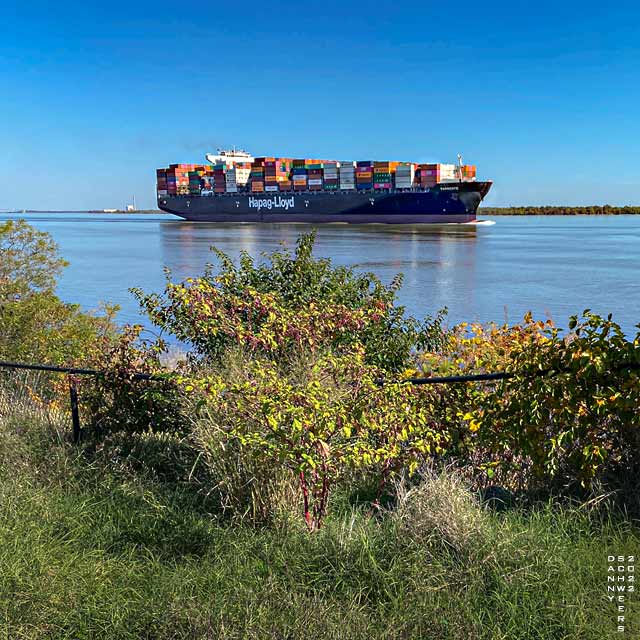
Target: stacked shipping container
column 272, row 174
column 382, row 175
column 256, row 177
column 330, row 175
column 299, row 174
column 405, row 175
column 314, row 176
column 364, row 174
column 347, row 175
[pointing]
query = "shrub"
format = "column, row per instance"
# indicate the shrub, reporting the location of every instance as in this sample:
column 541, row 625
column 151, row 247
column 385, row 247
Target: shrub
column 29, row 261
column 571, row 407
column 119, row 400
column 293, row 301
column 35, row 325
column 564, row 420
column 322, row 427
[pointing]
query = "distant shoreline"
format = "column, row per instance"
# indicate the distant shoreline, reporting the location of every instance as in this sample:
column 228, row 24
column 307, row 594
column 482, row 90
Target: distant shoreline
column 605, row 210
column 594, row 210
column 92, row 211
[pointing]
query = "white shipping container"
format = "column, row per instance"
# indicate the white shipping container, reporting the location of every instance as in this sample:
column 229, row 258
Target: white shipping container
column 346, row 187
column 232, row 189
column 271, row 188
column 313, row 181
column 163, row 192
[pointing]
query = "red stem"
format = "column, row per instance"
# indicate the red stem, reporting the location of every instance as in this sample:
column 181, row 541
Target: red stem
column 324, row 496
column 305, row 495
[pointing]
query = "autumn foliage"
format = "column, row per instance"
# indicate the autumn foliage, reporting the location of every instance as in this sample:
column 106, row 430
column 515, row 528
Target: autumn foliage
column 322, row 386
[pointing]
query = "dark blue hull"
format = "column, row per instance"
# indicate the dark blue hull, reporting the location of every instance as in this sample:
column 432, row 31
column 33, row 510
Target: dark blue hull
column 447, row 202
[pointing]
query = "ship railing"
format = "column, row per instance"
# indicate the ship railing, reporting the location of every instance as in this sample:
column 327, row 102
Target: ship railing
column 307, row 192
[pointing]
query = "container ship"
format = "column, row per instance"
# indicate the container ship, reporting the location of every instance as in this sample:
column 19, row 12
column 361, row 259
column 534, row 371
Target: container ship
column 236, row 187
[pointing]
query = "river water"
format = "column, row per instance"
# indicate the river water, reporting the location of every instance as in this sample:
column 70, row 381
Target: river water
column 553, row 266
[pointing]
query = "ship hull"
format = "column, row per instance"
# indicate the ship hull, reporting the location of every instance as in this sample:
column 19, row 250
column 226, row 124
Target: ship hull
column 444, row 203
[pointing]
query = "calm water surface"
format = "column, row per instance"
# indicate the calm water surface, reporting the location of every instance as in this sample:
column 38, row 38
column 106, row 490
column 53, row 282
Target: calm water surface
column 554, row 266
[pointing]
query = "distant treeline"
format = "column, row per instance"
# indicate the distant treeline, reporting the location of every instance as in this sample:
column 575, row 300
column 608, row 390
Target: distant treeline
column 605, row 210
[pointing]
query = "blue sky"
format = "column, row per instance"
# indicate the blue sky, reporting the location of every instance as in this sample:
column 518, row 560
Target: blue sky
column 543, row 97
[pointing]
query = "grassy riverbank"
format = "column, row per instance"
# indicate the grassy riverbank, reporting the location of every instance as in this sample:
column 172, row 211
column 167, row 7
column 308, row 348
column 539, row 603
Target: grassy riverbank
column 91, row 549
column 287, row 480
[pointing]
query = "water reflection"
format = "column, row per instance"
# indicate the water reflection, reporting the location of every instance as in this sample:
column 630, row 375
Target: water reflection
column 556, row 265
column 438, row 262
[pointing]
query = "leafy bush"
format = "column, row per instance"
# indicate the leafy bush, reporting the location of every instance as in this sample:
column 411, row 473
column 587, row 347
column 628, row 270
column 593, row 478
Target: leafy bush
column 29, row 261
column 134, row 393
column 571, row 407
column 314, row 342
column 35, row 325
column 41, row 329
column 322, row 427
column 566, row 419
column 294, row 301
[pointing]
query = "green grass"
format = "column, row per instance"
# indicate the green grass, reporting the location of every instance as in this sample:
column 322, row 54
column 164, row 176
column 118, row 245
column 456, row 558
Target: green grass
column 89, row 550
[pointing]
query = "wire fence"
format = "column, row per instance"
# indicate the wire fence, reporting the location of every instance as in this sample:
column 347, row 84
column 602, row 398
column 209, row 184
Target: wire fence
column 35, row 395
column 30, row 389
column 31, row 392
